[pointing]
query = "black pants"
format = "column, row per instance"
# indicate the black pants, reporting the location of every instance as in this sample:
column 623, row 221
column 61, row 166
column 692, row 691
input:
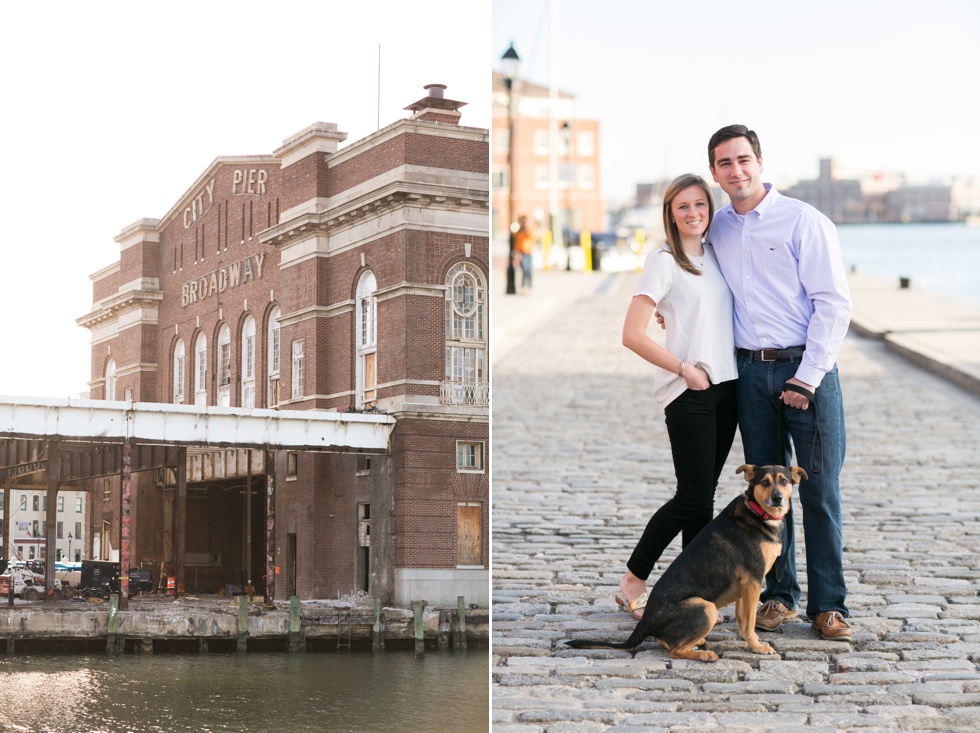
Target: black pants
column 701, row 426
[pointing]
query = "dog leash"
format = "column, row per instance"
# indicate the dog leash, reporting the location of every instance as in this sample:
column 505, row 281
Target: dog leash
column 817, row 434
column 780, row 564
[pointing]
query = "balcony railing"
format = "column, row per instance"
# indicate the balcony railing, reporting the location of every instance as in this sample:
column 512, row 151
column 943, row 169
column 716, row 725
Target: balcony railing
column 464, row 393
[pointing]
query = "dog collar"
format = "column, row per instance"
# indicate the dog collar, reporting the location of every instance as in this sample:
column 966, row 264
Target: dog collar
column 759, row 510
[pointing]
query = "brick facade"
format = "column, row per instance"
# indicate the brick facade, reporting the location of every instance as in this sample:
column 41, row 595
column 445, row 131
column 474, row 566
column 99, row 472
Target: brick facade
column 294, row 233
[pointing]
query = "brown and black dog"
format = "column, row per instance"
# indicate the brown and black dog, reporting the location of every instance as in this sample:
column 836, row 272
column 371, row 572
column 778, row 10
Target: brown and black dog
column 726, row 562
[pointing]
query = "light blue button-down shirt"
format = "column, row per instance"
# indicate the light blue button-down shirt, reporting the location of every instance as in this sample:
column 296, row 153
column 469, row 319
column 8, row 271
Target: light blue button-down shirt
column 783, row 263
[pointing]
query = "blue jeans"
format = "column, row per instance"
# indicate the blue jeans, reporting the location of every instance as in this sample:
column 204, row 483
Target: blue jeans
column 759, row 386
column 527, row 261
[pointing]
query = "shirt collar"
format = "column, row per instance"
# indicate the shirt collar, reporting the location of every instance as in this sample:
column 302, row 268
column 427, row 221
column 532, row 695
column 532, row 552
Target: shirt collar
column 764, row 206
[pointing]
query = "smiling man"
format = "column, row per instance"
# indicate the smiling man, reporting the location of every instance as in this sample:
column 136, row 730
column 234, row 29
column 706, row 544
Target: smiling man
column 781, row 259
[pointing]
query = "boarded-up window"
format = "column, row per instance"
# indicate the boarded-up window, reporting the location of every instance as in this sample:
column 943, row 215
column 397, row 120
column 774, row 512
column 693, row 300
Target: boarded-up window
column 470, row 537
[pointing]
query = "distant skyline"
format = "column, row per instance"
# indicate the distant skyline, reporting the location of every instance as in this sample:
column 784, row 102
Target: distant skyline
column 876, row 85
column 113, row 110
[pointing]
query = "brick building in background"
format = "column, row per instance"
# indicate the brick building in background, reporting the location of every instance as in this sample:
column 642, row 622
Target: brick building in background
column 317, row 278
column 579, row 201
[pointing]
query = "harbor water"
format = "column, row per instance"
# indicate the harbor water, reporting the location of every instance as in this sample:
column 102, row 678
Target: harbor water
column 346, row 692
column 940, row 258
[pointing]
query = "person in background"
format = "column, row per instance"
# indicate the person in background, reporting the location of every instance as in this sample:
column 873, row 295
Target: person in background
column 524, row 239
column 695, row 373
column 781, row 258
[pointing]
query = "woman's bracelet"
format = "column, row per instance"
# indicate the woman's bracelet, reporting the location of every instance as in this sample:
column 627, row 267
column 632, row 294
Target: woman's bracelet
column 681, row 372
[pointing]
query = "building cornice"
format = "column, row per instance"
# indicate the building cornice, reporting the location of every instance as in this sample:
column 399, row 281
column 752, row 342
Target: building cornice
column 112, row 307
column 392, row 196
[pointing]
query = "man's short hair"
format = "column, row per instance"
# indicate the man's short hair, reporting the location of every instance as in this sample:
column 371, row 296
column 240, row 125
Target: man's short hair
column 730, row 132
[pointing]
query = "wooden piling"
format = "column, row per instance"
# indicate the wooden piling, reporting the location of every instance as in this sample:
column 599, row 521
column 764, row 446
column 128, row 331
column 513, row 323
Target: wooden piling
column 113, row 623
column 242, row 623
column 296, row 642
column 202, row 645
column 378, row 631
column 445, row 625
column 419, row 629
column 460, row 635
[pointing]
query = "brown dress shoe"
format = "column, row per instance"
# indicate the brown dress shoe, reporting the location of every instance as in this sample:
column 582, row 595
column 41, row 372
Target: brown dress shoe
column 771, row 614
column 832, row 626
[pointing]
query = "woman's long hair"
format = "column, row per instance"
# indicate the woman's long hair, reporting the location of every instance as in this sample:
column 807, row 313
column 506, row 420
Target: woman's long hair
column 670, row 228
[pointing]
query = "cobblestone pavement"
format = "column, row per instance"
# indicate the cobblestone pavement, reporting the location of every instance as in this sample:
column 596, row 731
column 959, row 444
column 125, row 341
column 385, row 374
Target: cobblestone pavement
column 581, row 459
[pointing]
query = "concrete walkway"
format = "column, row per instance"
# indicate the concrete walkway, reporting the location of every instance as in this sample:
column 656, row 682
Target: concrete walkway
column 581, row 459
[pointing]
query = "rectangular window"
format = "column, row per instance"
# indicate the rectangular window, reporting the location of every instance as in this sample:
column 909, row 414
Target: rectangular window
column 78, row 530
column 250, row 357
column 179, row 379
column 542, row 177
column 586, row 143
column 363, row 463
column 469, row 456
column 275, row 351
column 106, row 490
column 586, row 177
column 202, row 372
column 78, row 504
column 292, row 465
column 541, row 142
column 61, row 503
column 36, row 502
column 61, row 530
column 298, row 376
column 224, row 368
column 35, row 529
column 23, row 502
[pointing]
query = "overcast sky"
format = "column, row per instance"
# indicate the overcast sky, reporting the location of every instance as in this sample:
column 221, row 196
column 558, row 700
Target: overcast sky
column 112, row 110
column 881, row 85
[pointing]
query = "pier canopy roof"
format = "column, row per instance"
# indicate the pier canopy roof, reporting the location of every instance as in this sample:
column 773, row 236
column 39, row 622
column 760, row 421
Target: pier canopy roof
column 100, row 422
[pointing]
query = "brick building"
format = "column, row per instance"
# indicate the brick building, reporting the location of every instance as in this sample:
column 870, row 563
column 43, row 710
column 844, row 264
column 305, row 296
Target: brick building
column 318, row 277
column 580, row 203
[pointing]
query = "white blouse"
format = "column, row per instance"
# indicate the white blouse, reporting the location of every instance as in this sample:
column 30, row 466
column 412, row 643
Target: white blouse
column 698, row 314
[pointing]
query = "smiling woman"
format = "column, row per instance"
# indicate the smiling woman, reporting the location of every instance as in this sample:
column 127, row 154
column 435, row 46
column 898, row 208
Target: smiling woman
column 695, row 372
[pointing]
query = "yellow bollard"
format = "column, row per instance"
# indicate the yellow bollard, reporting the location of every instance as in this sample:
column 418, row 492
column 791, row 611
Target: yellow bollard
column 640, row 239
column 585, row 241
column 546, row 247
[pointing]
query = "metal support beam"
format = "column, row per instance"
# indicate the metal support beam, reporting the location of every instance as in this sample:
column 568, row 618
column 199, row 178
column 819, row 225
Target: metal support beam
column 270, row 525
column 180, row 547
column 50, row 540
column 125, row 495
column 99, row 421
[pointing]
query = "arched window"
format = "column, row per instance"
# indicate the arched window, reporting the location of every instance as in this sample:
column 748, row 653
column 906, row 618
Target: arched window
column 179, row 372
column 367, row 343
column 224, row 366
column 274, row 359
column 248, row 363
column 466, row 338
column 110, row 380
column 201, row 370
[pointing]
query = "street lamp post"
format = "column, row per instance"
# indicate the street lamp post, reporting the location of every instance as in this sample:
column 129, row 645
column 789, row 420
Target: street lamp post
column 563, row 183
column 509, row 63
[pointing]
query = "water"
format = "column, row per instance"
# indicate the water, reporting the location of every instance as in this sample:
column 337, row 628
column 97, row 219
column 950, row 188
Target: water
column 343, row 692
column 939, row 258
